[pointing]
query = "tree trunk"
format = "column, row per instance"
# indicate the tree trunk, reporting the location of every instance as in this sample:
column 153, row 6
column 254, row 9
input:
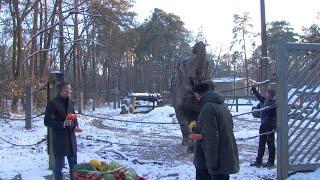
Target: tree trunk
column 46, row 59
column 61, row 37
column 108, row 80
column 246, row 62
column 34, row 43
column 76, row 59
column 93, row 70
column 16, row 52
column 38, row 61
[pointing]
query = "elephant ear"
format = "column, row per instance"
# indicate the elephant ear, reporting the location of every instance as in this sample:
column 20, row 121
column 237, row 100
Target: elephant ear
column 183, row 61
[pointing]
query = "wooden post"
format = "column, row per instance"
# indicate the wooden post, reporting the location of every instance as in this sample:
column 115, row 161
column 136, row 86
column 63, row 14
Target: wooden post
column 2, row 100
column 115, row 100
column 264, row 61
column 237, row 104
column 55, row 79
column 282, row 115
column 81, row 104
column 28, row 107
column 93, row 103
column 234, row 79
column 118, row 101
column 93, row 100
column 133, row 103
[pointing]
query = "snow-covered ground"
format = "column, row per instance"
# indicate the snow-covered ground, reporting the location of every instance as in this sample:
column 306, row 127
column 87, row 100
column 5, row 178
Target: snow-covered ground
column 153, row 150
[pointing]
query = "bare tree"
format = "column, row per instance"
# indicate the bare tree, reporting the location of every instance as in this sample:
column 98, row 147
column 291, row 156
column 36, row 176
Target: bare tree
column 241, row 33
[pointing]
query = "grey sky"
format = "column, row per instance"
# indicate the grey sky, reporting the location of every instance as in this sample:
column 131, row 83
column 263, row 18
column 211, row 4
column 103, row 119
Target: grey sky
column 215, row 16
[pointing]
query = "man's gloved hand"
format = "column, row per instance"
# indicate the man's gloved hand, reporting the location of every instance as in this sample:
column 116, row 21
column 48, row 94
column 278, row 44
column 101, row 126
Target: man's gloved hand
column 71, row 116
column 195, row 137
column 67, row 123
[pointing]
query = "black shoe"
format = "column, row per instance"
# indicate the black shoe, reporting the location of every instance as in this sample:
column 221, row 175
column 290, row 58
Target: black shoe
column 268, row 165
column 256, row 164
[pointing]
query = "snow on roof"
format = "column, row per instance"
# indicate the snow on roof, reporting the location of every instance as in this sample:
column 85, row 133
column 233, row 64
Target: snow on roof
column 145, row 94
column 55, row 72
column 226, row 79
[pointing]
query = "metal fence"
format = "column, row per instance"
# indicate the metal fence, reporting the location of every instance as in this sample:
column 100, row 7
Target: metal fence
column 237, row 101
column 298, row 110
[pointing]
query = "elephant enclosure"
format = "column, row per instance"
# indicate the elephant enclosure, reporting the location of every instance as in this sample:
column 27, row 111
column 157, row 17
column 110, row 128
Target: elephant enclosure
column 153, row 150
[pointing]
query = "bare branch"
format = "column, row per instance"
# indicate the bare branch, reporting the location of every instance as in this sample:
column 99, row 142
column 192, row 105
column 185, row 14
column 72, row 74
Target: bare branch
column 27, row 11
column 57, row 23
column 38, row 51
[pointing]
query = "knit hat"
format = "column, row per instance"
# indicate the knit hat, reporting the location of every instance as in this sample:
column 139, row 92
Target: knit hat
column 200, row 87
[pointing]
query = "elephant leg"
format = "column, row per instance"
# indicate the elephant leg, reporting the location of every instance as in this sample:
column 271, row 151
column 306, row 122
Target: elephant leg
column 183, row 126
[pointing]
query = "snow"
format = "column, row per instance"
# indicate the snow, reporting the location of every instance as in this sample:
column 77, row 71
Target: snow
column 157, row 147
column 30, row 162
column 310, row 176
column 241, row 101
column 145, row 94
column 227, row 79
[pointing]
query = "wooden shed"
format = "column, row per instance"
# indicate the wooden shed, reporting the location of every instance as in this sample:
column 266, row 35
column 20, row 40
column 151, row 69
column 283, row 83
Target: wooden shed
column 231, row 83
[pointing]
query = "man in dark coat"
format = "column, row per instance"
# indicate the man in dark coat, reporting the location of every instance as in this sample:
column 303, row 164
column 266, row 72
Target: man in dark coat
column 216, row 149
column 63, row 130
column 268, row 123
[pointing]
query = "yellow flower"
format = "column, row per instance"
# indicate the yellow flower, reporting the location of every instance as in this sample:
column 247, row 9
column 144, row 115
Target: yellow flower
column 193, row 124
column 96, row 163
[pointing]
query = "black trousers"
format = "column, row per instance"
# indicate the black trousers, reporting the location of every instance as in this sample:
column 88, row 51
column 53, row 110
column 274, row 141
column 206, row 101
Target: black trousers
column 59, row 160
column 266, row 139
column 220, row 177
column 203, row 174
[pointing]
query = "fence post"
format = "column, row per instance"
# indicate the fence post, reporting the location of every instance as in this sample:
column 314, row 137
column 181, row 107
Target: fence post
column 93, row 101
column 55, row 79
column 133, row 104
column 115, row 102
column 81, row 101
column 119, row 101
column 2, row 101
column 116, row 99
column 237, row 105
column 28, row 107
column 282, row 115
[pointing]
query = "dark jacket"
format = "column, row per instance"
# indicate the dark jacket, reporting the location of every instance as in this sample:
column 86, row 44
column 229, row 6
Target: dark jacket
column 217, row 151
column 64, row 138
column 268, row 109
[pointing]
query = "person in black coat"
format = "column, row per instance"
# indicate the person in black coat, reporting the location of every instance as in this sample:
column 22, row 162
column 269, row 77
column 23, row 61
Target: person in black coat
column 63, row 131
column 216, row 151
column 268, row 123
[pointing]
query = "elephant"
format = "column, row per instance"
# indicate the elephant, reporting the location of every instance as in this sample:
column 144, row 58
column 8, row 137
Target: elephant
column 190, row 68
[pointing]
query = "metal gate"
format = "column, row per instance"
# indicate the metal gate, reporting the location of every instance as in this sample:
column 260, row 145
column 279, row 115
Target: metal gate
column 298, row 109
